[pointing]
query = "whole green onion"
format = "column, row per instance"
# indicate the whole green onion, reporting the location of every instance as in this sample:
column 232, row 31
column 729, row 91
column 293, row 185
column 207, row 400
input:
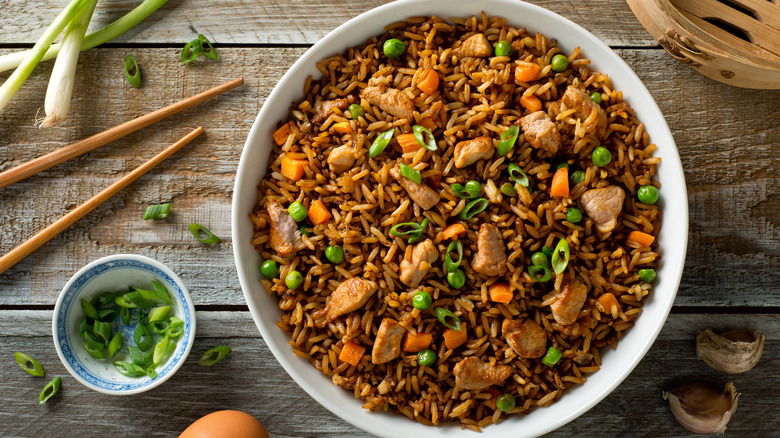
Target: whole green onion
column 380, row 143
column 560, row 257
column 473, row 208
column 159, row 211
column 29, row 364
column 508, row 139
column 214, row 355
column 197, row 229
column 472, row 190
column 411, row 173
column 414, row 233
column 133, row 74
column 449, row 264
column 442, row 314
column 517, row 175
column 49, row 390
column 424, row 137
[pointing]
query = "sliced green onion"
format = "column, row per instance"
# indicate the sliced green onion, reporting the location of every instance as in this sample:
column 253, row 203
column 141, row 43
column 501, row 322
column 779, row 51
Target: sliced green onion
column 115, row 345
column 473, row 208
column 102, row 299
column 442, row 314
column 163, row 349
column 560, row 257
column 472, row 190
column 211, row 52
column 142, row 337
column 176, row 322
column 552, row 357
column 129, row 369
column 102, row 331
column 411, row 173
column 449, row 264
column 84, row 326
column 546, row 250
column 151, row 372
column 49, row 390
column 124, row 313
column 136, row 355
column 197, row 229
column 214, row 355
column 508, row 189
column 540, row 273
column 517, row 175
column 159, row 211
column 93, row 346
column 159, row 313
column 159, row 327
column 414, row 233
column 380, row 143
column 137, row 298
column 424, row 137
column 29, row 364
column 162, row 292
column 107, row 315
column 175, row 332
column 133, row 74
column 508, row 139
column 141, row 316
column 149, row 359
column 89, row 309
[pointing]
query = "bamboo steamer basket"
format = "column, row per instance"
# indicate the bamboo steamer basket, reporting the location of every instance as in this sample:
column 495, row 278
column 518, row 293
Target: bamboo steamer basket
column 736, row 42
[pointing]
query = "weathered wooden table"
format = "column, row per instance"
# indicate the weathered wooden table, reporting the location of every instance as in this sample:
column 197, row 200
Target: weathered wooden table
column 727, row 137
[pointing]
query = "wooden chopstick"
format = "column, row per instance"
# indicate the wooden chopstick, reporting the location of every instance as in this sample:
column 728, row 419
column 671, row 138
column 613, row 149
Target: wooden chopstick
column 35, row 242
column 54, row 158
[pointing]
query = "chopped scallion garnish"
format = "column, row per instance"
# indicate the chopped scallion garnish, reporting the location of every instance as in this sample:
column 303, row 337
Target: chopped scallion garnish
column 411, row 173
column 197, row 229
column 133, row 74
column 442, row 314
column 473, row 208
column 159, row 211
column 415, row 231
column 29, row 364
column 560, row 256
column 424, row 137
column 449, row 264
column 49, row 390
column 194, row 49
column 214, row 355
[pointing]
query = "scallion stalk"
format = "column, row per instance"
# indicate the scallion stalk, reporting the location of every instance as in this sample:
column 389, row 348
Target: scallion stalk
column 60, row 90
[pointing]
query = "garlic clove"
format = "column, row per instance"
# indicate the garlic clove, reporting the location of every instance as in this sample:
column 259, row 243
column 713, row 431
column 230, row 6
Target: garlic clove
column 703, row 407
column 732, row 352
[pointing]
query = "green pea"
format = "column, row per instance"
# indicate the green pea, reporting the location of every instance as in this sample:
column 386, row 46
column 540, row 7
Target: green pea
column 573, row 215
column 505, row 402
column 293, row 280
column 426, row 358
column 596, row 96
column 508, row 189
column 559, row 63
column 269, row 269
column 576, row 177
column 647, row 275
column 456, row 278
column 335, row 254
column 503, row 48
column 552, row 357
column 540, row 259
column 601, row 156
column 647, row 194
column 422, row 300
column 297, row 211
column 356, row 111
column 393, row 48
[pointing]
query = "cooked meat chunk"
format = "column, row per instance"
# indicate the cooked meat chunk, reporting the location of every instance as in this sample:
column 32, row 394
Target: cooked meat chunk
column 570, row 300
column 387, row 345
column 421, row 194
column 528, row 339
column 417, row 262
column 578, row 100
column 285, row 236
column 341, row 158
column 540, row 131
column 324, row 108
column 490, row 259
column 390, row 100
column 603, row 206
column 351, row 295
column 470, row 151
column 473, row 373
column 476, row 46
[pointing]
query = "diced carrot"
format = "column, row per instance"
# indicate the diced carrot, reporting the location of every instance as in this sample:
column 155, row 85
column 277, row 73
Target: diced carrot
column 531, row 103
column 454, row 339
column 606, row 302
column 281, row 134
column 500, row 293
column 451, row 231
column 428, row 82
column 351, row 353
column 526, row 71
column 560, row 183
column 318, row 213
column 419, row 342
column 408, row 143
column 641, row 238
column 429, row 123
column 342, row 127
column 292, row 168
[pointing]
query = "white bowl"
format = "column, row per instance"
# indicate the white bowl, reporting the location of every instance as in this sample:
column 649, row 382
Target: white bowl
column 672, row 239
column 114, row 273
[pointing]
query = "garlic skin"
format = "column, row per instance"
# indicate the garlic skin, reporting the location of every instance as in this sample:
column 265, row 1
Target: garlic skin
column 703, row 407
column 732, row 352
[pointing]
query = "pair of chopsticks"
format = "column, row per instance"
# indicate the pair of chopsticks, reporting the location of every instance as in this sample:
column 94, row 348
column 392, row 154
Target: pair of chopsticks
column 63, row 154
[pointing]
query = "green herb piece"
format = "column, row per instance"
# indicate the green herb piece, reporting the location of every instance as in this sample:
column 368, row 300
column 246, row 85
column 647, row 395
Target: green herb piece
column 517, row 175
column 508, row 139
column 197, row 230
column 214, row 355
column 508, row 189
column 159, row 211
column 540, row 273
column 159, row 313
column 159, row 327
column 115, row 344
column 133, row 74
column 414, row 233
column 29, row 364
column 472, row 190
column 107, row 315
column 560, row 257
column 411, row 173
column 380, row 143
column 124, row 313
column 89, row 309
column 443, row 314
column 195, row 48
column 473, row 208
column 93, row 346
column 129, row 369
column 449, row 264
column 424, row 137
column 49, row 390
column 143, row 337
column 163, row 349
column 102, row 331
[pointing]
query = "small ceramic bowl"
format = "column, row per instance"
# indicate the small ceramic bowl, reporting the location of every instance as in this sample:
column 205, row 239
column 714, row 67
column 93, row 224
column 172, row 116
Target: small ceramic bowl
column 117, row 273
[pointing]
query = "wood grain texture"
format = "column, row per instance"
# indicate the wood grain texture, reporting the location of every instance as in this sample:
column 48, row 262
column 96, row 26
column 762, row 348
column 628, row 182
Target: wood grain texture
column 726, row 137
column 251, row 380
column 279, row 21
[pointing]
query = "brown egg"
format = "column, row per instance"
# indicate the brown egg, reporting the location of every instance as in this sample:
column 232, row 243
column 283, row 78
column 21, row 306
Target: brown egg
column 225, row 424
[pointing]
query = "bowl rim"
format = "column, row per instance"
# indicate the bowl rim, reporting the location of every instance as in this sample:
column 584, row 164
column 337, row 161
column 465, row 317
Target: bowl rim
column 671, row 263
column 61, row 307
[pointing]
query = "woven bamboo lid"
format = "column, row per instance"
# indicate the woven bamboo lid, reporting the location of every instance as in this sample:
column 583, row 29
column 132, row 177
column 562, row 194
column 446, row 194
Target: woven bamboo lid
column 736, row 42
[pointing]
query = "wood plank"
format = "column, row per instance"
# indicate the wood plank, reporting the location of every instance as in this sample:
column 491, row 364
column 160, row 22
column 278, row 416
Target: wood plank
column 726, row 137
column 279, row 21
column 251, row 380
